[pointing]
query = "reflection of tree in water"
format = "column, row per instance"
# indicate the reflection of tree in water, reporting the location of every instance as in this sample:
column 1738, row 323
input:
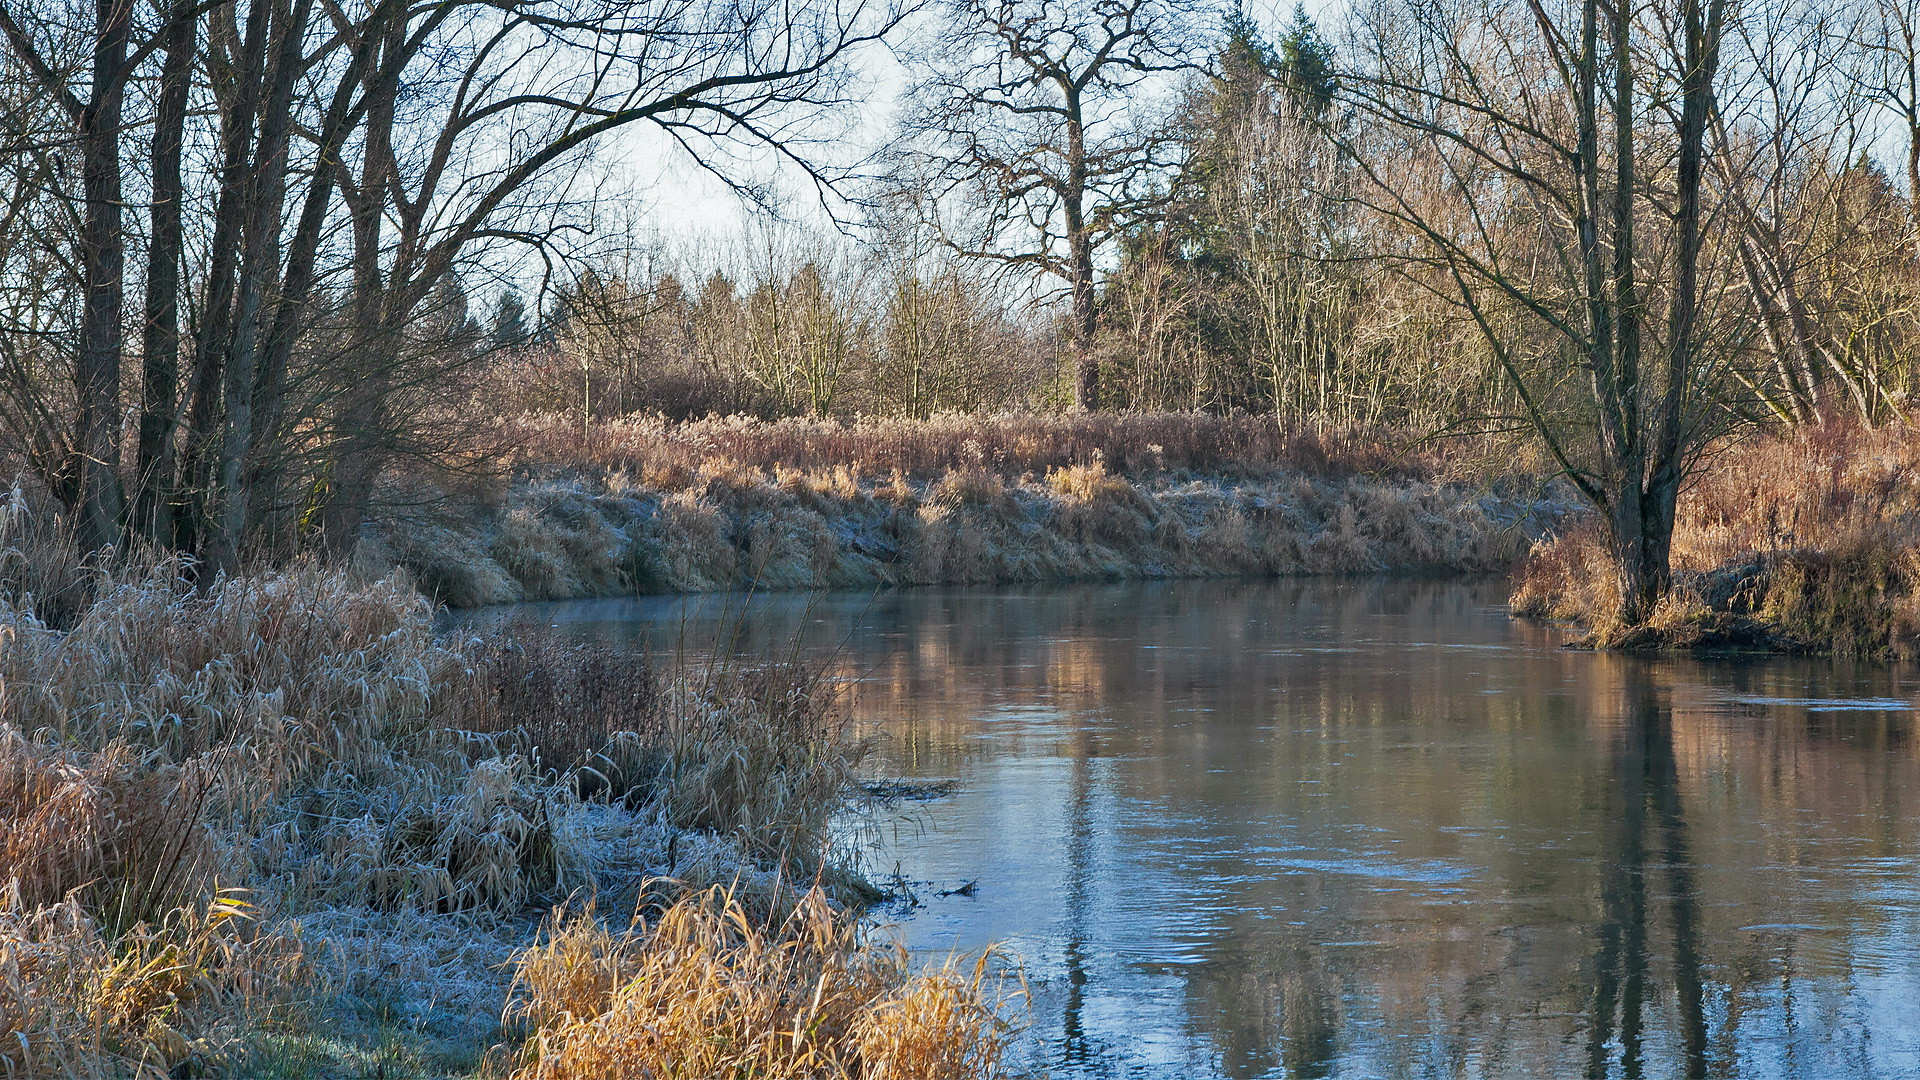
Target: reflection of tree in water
column 1645, row 832
column 1274, row 1015
column 1075, row 1047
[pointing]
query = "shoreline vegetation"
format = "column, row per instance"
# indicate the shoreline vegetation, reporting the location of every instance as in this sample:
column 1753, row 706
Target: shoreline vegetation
column 1798, row 541
column 1806, row 541
column 274, row 826
column 643, row 505
column 236, row 809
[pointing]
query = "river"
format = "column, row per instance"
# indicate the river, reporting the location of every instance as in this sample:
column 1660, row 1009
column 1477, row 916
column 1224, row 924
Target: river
column 1374, row 828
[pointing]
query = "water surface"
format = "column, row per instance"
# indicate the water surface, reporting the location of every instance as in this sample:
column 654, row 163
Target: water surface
column 1352, row 828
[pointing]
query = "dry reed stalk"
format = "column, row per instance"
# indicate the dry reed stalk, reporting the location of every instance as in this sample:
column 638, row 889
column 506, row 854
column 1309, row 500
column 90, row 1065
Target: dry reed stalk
column 710, row 991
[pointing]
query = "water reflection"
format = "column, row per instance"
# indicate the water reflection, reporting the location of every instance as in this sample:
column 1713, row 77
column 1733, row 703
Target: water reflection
column 1643, row 813
column 1334, row 829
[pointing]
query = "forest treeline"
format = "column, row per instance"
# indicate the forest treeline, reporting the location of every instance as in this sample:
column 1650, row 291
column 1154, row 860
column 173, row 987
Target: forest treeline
column 260, row 257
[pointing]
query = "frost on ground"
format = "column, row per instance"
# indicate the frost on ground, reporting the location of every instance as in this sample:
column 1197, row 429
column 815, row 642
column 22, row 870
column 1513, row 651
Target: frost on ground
column 274, row 825
column 726, row 525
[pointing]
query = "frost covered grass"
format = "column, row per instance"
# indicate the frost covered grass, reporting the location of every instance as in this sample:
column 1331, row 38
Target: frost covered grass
column 1807, row 541
column 645, row 506
column 277, row 825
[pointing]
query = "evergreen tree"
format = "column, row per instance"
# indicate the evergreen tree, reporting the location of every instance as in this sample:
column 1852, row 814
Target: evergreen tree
column 509, row 330
column 1305, row 61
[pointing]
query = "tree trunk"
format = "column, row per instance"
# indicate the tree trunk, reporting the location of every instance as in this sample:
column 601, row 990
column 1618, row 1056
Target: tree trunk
column 160, row 345
column 1649, row 487
column 1086, row 362
column 259, row 271
column 195, row 524
column 384, row 27
column 1642, row 528
column 361, row 413
column 96, row 442
column 1086, row 386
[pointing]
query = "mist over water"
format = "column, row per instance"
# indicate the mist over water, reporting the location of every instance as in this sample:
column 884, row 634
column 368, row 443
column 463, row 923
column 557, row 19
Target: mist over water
column 1358, row 828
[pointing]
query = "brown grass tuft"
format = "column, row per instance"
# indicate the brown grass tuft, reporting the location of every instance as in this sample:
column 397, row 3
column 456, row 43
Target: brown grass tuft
column 123, row 837
column 75, row 1002
column 763, row 754
column 708, row 991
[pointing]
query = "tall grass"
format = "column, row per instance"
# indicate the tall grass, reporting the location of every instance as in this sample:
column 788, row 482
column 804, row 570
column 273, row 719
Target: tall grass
column 763, row 754
column 77, row 1002
column 1803, row 541
column 121, row 836
column 230, row 803
column 644, row 506
column 710, row 990
column 670, row 454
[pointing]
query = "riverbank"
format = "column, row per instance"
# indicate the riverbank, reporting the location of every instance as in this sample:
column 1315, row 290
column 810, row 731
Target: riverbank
column 643, row 506
column 275, row 826
column 1807, row 542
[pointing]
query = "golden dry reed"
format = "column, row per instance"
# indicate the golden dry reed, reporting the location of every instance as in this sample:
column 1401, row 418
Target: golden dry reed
column 710, row 990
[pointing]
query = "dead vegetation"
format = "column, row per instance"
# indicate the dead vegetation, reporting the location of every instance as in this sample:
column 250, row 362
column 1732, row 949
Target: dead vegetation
column 710, row 989
column 645, row 506
column 276, row 824
column 670, row 454
column 1807, row 541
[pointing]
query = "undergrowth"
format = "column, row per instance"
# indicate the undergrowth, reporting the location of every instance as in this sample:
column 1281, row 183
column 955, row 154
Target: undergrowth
column 1807, row 541
column 642, row 505
column 271, row 824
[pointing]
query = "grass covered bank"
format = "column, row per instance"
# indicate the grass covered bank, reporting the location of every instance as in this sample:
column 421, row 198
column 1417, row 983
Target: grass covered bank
column 642, row 505
column 275, row 826
column 1807, row 541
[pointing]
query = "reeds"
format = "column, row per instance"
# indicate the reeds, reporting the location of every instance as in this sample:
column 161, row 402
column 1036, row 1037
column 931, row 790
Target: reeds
column 762, row 754
column 668, row 454
column 120, row 836
column 592, row 712
column 710, row 991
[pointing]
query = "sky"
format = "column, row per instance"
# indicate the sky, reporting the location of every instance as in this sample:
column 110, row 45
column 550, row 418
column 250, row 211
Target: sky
column 685, row 210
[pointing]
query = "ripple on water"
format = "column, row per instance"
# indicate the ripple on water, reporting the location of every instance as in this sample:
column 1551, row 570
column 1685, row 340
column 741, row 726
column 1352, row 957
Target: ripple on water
column 1826, row 704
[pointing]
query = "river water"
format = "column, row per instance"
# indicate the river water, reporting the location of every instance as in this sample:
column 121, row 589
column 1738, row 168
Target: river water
column 1360, row 828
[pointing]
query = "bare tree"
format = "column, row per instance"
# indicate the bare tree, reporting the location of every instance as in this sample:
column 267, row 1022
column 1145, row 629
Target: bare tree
column 365, row 156
column 1042, row 130
column 1547, row 206
column 1888, row 31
